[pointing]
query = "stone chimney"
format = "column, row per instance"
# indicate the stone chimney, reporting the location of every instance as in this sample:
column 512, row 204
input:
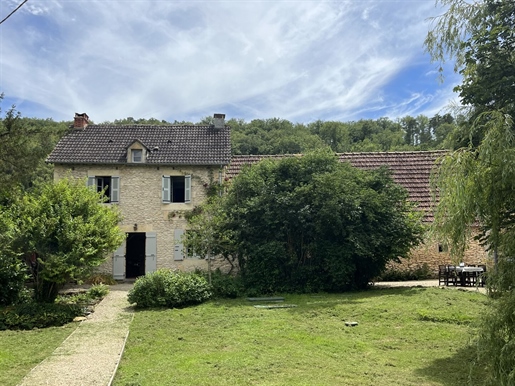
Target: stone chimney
column 219, row 121
column 81, row 121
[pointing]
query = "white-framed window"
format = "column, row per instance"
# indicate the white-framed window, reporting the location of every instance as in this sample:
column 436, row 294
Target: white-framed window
column 110, row 185
column 137, row 155
column 176, row 189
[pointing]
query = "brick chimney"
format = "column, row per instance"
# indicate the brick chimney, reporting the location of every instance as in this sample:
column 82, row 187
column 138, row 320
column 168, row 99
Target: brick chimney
column 81, row 121
column 219, row 121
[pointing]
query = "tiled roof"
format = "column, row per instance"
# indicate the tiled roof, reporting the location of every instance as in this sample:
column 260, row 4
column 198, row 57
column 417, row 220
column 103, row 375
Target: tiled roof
column 410, row 169
column 168, row 145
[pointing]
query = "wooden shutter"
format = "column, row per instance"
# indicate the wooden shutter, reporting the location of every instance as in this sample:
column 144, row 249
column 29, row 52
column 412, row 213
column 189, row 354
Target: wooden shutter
column 166, row 195
column 115, row 189
column 187, row 189
column 91, row 183
column 150, row 252
column 119, row 262
column 178, row 253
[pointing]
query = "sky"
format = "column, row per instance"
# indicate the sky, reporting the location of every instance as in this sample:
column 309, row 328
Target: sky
column 250, row 59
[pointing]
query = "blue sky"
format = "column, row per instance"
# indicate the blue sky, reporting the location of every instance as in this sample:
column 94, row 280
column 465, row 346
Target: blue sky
column 184, row 60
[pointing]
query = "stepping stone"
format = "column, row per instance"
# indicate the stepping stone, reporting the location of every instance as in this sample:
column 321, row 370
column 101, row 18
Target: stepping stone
column 269, row 299
column 270, row 306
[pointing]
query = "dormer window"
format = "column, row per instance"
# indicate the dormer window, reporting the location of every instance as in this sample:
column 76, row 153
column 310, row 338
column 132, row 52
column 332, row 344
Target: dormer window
column 137, row 155
column 137, row 152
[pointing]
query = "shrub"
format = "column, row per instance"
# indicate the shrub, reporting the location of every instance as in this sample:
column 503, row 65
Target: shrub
column 420, row 273
column 311, row 223
column 80, row 298
column 38, row 315
column 12, row 279
column 223, row 285
column 165, row 288
column 13, row 271
column 98, row 291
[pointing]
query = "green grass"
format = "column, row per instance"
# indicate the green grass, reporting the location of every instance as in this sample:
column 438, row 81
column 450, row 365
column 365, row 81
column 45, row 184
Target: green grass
column 20, row 351
column 405, row 336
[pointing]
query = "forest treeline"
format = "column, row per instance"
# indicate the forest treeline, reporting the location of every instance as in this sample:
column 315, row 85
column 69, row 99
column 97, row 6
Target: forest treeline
column 280, row 136
column 26, row 142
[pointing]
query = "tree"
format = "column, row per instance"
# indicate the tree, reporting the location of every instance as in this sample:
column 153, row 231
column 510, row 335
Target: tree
column 13, row 271
column 489, row 59
column 206, row 235
column 480, row 36
column 63, row 231
column 25, row 143
column 476, row 183
column 311, row 223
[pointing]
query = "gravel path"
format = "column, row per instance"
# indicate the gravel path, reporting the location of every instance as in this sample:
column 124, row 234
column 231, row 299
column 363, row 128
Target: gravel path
column 424, row 283
column 90, row 355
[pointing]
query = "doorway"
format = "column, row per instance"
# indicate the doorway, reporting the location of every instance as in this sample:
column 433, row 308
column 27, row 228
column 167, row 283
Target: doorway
column 135, row 255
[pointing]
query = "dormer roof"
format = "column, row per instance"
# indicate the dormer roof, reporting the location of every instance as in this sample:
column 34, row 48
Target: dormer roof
column 166, row 145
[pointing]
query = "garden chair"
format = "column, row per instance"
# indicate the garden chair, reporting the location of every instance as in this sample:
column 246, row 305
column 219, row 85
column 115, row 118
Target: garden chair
column 443, row 275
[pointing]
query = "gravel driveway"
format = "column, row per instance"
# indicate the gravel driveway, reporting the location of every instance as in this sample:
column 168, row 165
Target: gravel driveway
column 90, row 355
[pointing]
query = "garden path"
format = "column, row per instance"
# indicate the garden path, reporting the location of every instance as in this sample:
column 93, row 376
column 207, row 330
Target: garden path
column 424, row 283
column 90, row 355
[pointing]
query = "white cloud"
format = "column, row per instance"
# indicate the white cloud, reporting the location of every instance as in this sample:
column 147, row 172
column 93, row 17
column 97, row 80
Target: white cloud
column 300, row 60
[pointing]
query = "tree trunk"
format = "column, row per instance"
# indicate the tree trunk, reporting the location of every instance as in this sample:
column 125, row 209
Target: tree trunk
column 45, row 291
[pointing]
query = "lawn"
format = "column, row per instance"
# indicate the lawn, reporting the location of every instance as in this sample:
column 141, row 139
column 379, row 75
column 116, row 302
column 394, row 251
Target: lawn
column 20, row 351
column 404, row 336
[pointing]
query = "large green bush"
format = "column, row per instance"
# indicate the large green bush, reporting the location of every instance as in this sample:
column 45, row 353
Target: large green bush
column 64, row 227
column 166, row 288
column 311, row 223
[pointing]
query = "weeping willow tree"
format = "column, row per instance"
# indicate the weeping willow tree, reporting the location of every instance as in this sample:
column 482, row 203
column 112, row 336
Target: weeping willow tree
column 476, row 182
column 476, row 186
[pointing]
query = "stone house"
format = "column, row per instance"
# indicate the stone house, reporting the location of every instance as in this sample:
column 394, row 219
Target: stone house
column 157, row 174
column 154, row 174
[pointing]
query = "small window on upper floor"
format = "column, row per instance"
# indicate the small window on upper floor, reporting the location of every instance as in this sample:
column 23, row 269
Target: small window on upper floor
column 109, row 185
column 176, row 189
column 137, row 155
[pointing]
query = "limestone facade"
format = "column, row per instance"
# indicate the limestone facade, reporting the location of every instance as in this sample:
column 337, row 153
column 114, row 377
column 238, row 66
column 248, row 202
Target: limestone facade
column 142, row 207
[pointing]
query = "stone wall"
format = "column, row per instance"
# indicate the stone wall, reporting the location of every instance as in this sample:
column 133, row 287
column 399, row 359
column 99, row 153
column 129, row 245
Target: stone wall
column 432, row 254
column 141, row 204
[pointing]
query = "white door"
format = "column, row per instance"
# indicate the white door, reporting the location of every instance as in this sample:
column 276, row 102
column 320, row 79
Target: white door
column 150, row 252
column 119, row 262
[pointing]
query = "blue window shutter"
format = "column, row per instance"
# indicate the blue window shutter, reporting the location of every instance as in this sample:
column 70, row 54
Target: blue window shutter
column 115, row 189
column 91, row 183
column 166, row 196
column 187, row 189
column 119, row 262
column 150, row 252
column 178, row 253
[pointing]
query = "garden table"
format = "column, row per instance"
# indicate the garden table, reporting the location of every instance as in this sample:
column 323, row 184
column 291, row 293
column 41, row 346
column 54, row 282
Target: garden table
column 468, row 275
